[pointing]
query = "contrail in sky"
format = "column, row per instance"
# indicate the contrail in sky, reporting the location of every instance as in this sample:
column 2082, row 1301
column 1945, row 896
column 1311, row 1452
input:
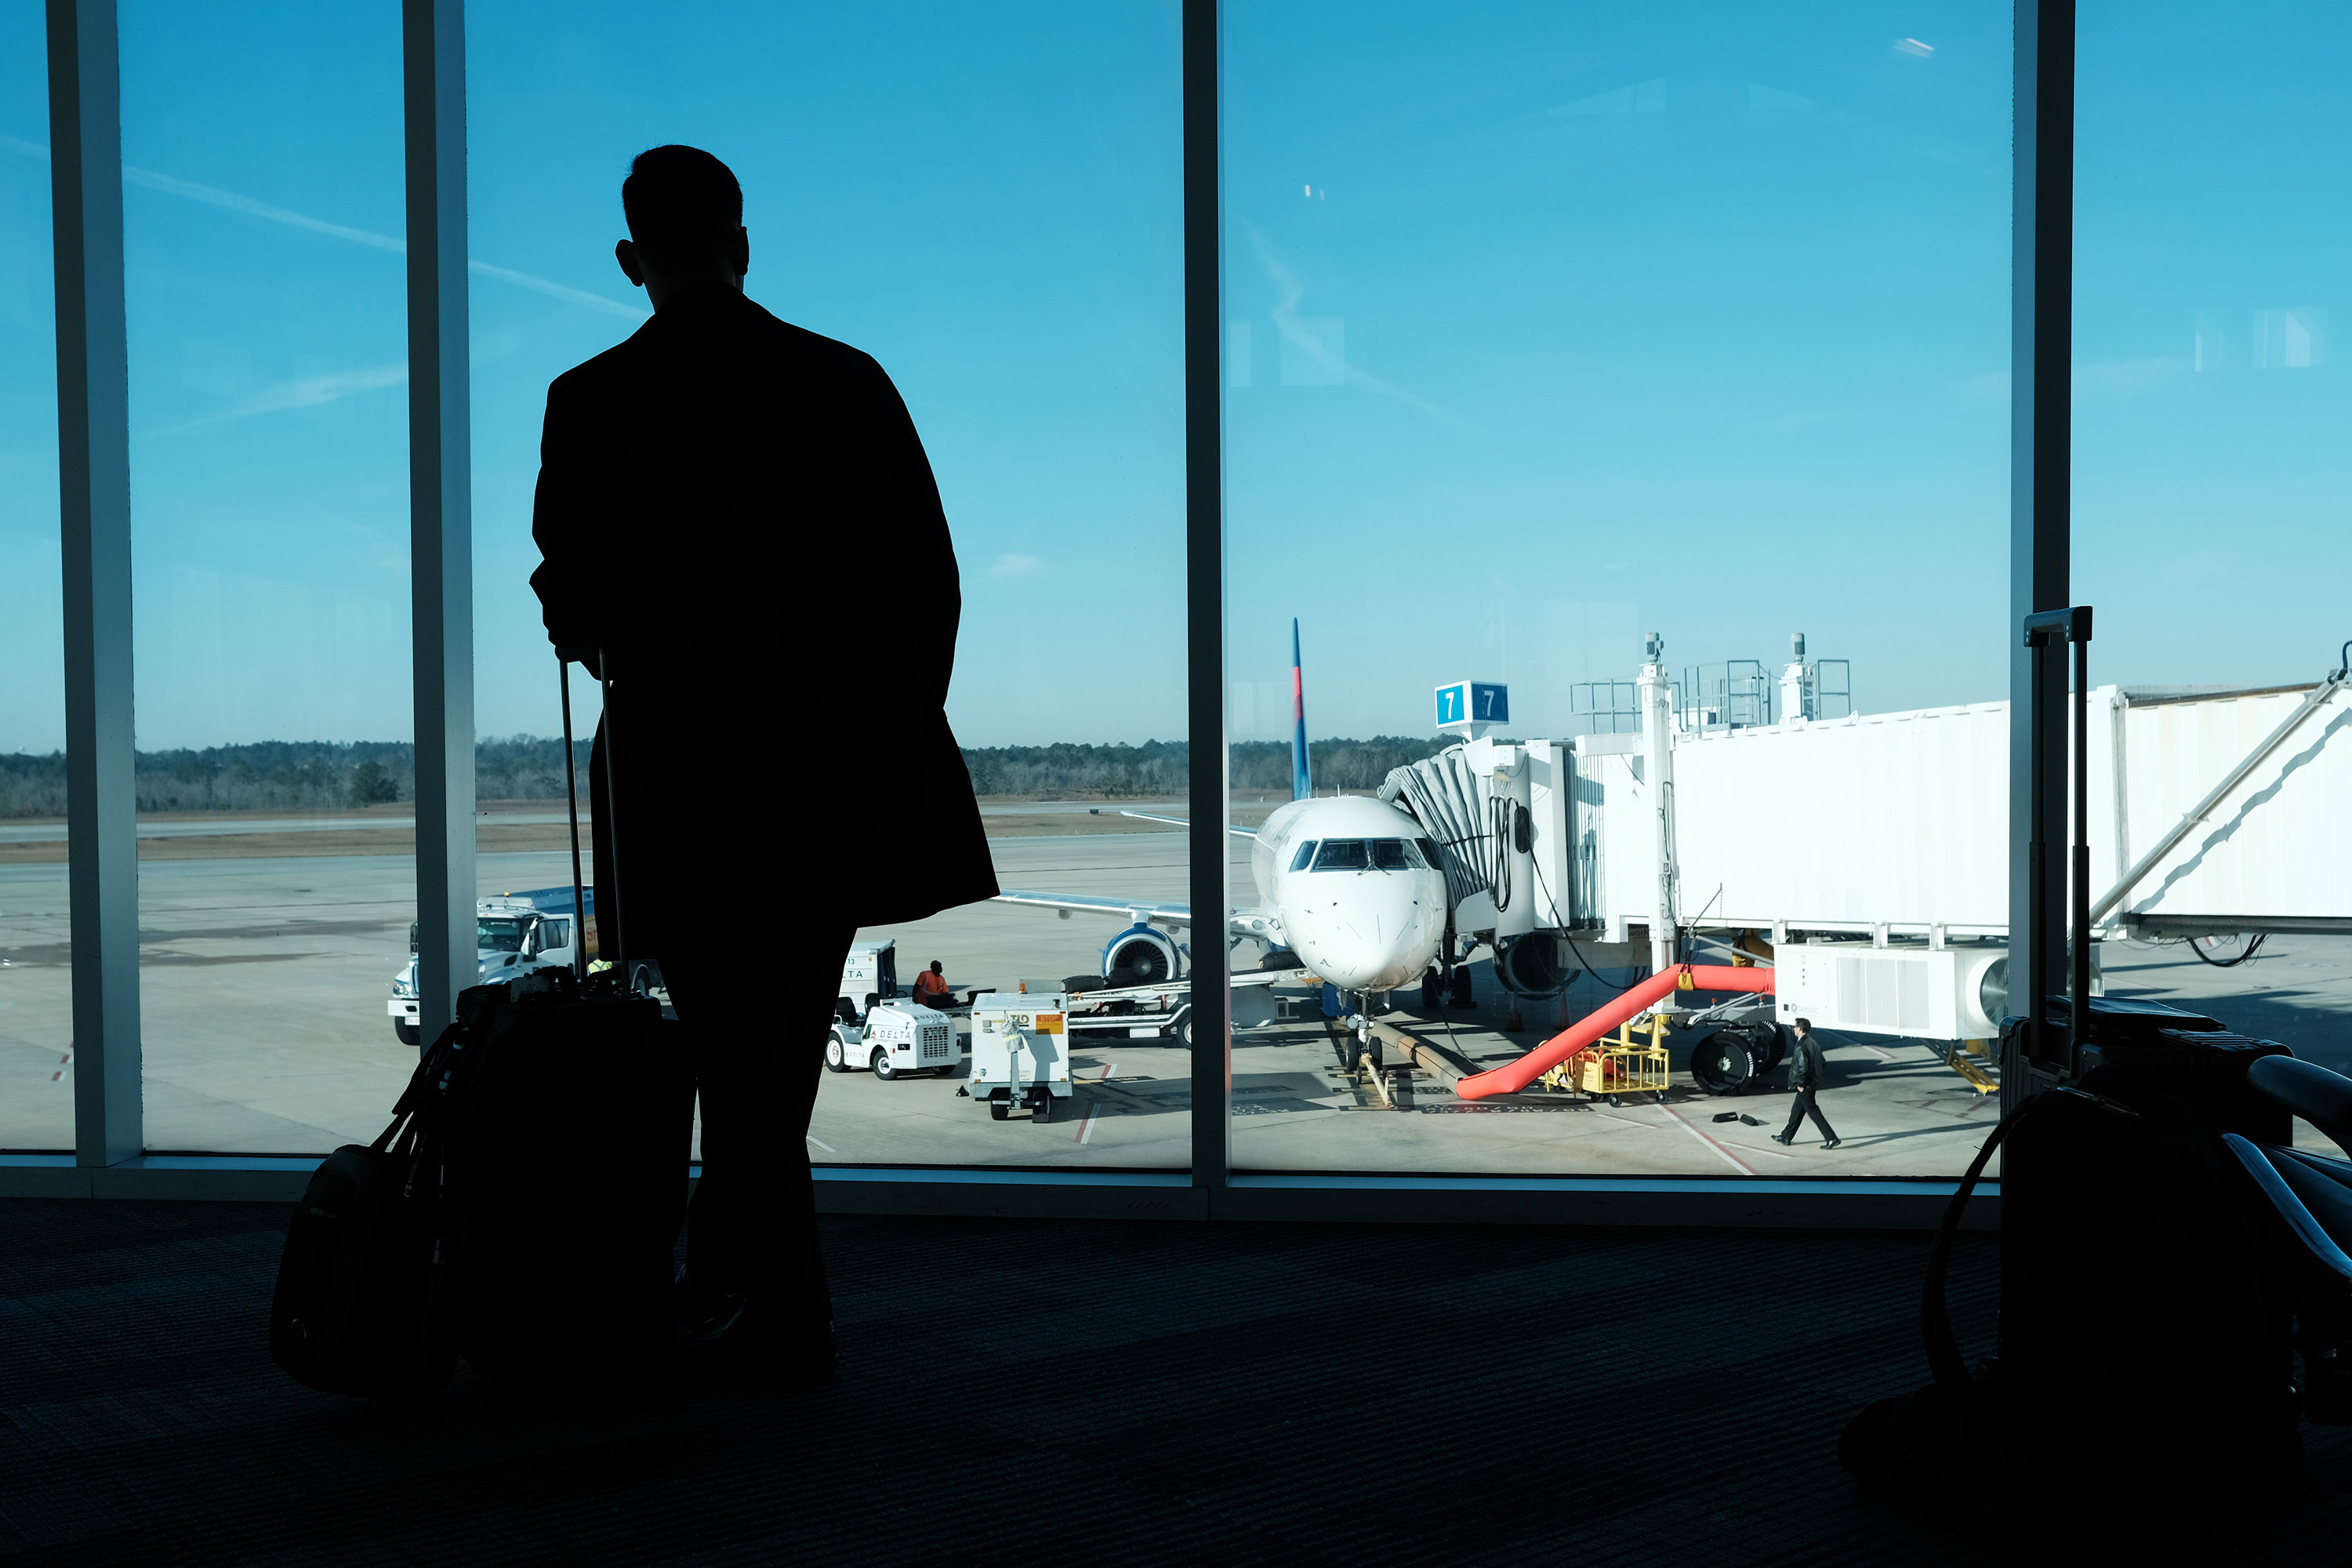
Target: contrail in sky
column 304, row 392
column 1287, row 322
column 212, row 196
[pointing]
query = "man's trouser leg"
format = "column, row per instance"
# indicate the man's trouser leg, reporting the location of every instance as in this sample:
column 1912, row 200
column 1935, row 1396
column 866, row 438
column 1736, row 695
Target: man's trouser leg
column 759, row 1054
column 1814, row 1109
column 1797, row 1114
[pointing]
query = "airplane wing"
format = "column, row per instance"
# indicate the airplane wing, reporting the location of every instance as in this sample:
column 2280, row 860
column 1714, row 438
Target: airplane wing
column 1258, row 924
column 1175, row 822
column 1138, row 910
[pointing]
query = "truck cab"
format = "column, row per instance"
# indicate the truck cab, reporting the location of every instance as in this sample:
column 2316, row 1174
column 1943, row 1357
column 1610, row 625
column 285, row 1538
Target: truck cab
column 513, row 936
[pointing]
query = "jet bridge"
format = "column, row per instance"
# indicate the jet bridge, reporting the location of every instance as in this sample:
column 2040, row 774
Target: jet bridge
column 2213, row 810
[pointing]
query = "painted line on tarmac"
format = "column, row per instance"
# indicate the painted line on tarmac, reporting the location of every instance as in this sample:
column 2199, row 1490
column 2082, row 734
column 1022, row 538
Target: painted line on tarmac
column 1767, row 1153
column 1734, row 1160
column 1086, row 1127
column 819, row 1142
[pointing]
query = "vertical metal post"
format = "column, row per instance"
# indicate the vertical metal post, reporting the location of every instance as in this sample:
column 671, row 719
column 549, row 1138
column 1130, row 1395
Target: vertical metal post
column 2041, row 263
column 440, row 504
column 1204, row 607
column 2078, row 863
column 571, row 816
column 94, row 532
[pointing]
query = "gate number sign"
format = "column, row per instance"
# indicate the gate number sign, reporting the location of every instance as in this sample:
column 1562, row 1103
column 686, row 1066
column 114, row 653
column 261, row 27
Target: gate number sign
column 1474, row 703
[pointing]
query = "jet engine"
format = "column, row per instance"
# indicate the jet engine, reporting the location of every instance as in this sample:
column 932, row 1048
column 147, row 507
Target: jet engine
column 1735, row 1060
column 1142, row 956
column 1530, row 965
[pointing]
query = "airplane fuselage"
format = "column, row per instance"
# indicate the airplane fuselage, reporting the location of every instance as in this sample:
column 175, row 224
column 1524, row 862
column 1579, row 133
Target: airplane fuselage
column 1358, row 888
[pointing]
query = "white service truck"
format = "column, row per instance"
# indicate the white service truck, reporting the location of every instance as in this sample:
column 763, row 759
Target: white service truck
column 876, row 1027
column 513, row 936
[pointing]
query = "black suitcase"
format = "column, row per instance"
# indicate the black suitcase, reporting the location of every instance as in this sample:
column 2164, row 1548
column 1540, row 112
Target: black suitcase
column 570, row 1147
column 2141, row 1314
column 2144, row 1381
column 365, row 1300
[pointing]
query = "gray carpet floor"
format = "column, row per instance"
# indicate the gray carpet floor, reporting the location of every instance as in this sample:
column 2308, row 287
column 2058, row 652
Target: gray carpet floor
column 1044, row 1392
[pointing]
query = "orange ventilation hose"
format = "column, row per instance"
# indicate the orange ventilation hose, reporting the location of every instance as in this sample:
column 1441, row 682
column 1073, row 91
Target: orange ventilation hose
column 1518, row 1075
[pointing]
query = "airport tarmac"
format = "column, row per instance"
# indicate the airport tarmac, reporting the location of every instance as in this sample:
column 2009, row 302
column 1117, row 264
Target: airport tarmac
column 264, row 981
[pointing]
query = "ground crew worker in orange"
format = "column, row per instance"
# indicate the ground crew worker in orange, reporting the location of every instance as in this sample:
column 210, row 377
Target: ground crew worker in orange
column 931, row 986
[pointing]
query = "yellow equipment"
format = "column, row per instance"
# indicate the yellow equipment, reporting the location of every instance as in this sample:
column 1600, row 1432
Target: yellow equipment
column 1618, row 1065
column 1957, row 1058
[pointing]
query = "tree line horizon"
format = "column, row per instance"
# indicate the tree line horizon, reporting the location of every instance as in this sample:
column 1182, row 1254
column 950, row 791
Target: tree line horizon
column 313, row 775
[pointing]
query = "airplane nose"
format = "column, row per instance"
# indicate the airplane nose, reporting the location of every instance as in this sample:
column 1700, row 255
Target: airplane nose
column 1387, row 944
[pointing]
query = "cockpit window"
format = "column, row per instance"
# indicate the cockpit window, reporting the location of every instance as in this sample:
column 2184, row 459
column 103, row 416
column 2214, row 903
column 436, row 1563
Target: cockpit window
column 1365, row 855
column 1343, row 855
column 1306, row 853
column 1428, row 849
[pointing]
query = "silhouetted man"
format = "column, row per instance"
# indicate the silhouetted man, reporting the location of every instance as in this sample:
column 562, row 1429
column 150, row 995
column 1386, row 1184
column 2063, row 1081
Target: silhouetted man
column 714, row 495
column 1806, row 1065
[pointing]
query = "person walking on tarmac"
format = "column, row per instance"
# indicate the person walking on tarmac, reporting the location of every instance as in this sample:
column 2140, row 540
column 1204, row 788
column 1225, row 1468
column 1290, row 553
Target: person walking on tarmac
column 931, row 987
column 1805, row 1072
column 707, row 489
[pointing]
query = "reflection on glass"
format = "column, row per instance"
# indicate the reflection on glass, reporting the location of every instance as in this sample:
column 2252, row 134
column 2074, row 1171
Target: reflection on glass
column 269, row 533
column 2210, row 402
column 1577, row 362
column 988, row 201
column 36, row 974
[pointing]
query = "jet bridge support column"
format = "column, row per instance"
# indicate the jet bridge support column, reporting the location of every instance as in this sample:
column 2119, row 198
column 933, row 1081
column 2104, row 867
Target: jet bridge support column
column 1503, row 769
column 1657, row 699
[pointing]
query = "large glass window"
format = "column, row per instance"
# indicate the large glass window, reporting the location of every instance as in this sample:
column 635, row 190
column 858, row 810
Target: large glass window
column 36, row 974
column 1574, row 363
column 2210, row 401
column 987, row 199
column 263, row 211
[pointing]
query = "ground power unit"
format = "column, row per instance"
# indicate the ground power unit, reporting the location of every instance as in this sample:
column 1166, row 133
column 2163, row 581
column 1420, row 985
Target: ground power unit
column 1020, row 1051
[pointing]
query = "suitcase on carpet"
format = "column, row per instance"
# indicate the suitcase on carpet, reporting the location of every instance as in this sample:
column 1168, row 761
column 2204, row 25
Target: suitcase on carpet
column 2143, row 1383
column 569, row 1145
column 366, row 1294
column 570, row 1148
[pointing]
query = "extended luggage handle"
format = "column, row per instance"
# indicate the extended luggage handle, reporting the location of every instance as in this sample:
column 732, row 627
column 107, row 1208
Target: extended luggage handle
column 571, row 810
column 2042, row 628
column 564, row 660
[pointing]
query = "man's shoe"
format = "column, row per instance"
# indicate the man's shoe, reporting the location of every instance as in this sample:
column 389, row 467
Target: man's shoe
column 1782, row 1139
column 738, row 1343
column 1831, row 1143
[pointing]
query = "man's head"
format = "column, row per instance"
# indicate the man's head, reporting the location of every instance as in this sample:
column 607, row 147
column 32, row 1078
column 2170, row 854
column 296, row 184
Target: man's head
column 685, row 213
column 1804, row 1027
column 935, row 966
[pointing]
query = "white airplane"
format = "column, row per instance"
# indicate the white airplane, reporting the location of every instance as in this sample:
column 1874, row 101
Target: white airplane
column 1352, row 886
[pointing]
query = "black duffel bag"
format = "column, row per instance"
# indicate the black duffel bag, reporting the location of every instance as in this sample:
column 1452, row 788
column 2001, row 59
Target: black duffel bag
column 366, row 1297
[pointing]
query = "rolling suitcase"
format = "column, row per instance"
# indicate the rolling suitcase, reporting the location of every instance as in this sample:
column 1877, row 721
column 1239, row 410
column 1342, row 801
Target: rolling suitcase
column 568, row 1149
column 365, row 1300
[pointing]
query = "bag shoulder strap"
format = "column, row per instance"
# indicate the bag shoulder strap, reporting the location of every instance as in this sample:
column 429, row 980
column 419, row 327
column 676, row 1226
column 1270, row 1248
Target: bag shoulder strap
column 1951, row 1373
column 426, row 1083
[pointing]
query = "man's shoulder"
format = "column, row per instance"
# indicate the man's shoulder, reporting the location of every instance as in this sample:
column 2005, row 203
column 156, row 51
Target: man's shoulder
column 744, row 339
column 815, row 350
column 591, row 374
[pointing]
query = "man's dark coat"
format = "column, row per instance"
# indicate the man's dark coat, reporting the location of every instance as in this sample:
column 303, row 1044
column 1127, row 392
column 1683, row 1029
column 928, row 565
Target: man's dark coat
column 740, row 516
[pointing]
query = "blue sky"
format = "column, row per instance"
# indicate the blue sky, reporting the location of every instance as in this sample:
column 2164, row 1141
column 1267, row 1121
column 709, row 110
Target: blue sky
column 1547, row 327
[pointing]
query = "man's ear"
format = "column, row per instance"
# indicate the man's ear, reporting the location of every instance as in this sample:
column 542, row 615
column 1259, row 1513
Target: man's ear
column 740, row 251
column 624, row 251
